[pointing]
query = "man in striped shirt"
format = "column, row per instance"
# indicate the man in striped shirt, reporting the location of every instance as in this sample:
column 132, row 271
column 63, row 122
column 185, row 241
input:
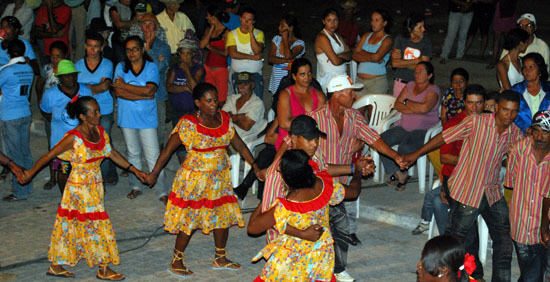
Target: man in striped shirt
column 528, row 175
column 474, row 183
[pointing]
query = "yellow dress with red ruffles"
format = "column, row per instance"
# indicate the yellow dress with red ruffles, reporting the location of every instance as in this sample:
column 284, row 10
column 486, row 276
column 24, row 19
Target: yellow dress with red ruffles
column 82, row 228
column 293, row 259
column 202, row 195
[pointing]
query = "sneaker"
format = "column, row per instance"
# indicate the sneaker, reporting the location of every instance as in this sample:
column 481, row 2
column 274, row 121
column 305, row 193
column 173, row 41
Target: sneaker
column 343, row 277
column 420, row 228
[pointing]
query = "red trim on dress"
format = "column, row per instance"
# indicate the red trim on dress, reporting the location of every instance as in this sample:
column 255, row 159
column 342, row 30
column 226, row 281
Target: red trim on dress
column 176, row 201
column 315, row 204
column 314, row 165
column 209, row 149
column 72, row 214
column 95, row 159
column 93, row 146
column 259, row 279
column 213, row 132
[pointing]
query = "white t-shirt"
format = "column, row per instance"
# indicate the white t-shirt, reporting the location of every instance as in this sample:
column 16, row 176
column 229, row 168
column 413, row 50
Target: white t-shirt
column 253, row 108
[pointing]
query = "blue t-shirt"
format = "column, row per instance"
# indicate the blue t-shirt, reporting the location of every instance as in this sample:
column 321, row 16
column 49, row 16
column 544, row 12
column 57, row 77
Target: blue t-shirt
column 161, row 49
column 89, row 76
column 140, row 114
column 233, row 22
column 55, row 102
column 5, row 57
column 16, row 83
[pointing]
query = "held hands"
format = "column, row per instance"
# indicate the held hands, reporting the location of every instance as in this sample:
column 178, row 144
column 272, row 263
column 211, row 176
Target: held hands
column 312, row 233
column 365, row 165
column 140, row 175
column 405, row 161
column 150, row 179
column 23, row 176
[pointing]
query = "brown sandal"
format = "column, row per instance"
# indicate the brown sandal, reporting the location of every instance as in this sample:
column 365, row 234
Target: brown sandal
column 228, row 266
column 133, row 194
column 61, row 274
column 402, row 186
column 184, row 272
column 113, row 277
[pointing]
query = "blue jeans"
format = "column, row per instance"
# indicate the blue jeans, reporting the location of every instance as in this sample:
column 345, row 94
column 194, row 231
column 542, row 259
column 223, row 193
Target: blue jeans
column 258, row 84
column 108, row 168
column 433, row 206
column 339, row 228
column 532, row 260
column 463, row 218
column 408, row 141
column 459, row 23
column 16, row 134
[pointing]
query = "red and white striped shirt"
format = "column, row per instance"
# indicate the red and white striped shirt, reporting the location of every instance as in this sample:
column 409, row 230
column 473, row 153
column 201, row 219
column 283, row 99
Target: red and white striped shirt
column 480, row 160
column 530, row 183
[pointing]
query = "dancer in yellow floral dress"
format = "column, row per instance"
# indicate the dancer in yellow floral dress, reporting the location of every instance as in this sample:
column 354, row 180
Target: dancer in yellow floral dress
column 304, row 251
column 202, row 196
column 82, row 228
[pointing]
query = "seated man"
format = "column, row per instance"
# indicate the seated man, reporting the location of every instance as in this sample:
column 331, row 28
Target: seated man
column 245, row 108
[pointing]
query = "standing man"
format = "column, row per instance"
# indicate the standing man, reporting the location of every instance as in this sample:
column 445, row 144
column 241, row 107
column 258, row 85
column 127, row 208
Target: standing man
column 527, row 175
column 245, row 45
column 460, row 18
column 52, row 23
column 474, row 183
column 175, row 23
column 15, row 86
column 97, row 73
column 77, row 30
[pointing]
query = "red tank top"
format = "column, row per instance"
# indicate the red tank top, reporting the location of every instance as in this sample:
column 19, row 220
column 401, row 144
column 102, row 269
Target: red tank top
column 296, row 109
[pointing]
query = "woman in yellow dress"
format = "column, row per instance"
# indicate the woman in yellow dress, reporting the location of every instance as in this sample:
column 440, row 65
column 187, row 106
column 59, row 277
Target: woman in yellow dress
column 82, row 228
column 304, row 251
column 202, row 196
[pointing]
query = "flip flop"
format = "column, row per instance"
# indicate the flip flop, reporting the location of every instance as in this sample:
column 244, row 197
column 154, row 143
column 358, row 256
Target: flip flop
column 392, row 181
column 133, row 194
column 61, row 274
column 402, row 186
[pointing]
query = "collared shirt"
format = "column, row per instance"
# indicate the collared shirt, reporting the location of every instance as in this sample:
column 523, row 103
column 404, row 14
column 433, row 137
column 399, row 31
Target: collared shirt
column 253, row 109
column 175, row 30
column 275, row 186
column 534, row 101
column 530, row 183
column 480, row 159
column 454, row 147
column 338, row 147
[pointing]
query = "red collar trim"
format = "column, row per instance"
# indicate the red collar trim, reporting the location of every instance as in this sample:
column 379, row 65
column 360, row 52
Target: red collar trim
column 213, row 132
column 94, row 146
column 315, row 204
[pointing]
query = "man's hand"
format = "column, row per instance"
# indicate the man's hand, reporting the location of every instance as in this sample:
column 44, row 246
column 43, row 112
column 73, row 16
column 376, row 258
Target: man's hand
column 443, row 197
column 407, row 160
column 261, row 174
column 366, row 165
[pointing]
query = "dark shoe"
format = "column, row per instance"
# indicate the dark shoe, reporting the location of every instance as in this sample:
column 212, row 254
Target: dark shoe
column 420, row 228
column 133, row 194
column 241, row 191
column 13, row 198
column 354, row 240
column 49, row 185
column 110, row 182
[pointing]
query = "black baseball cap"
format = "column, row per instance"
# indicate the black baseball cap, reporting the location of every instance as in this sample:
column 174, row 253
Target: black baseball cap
column 305, row 126
column 244, row 77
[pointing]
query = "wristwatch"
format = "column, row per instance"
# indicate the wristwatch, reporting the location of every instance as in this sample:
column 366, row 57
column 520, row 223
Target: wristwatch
column 405, row 101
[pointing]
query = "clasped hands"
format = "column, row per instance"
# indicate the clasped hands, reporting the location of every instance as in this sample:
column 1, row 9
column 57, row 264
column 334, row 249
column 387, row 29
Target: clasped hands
column 405, row 161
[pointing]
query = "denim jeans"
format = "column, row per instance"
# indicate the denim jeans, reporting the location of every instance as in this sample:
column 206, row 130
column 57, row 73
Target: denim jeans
column 16, row 135
column 463, row 218
column 108, row 168
column 351, row 212
column 532, row 260
column 408, row 141
column 138, row 140
column 459, row 23
column 340, row 233
column 434, row 206
column 258, row 84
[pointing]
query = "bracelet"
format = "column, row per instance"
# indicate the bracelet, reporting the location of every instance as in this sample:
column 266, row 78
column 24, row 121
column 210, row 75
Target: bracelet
column 352, row 168
column 128, row 168
column 155, row 172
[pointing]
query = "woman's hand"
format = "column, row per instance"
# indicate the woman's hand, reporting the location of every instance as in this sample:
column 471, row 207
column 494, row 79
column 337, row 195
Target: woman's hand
column 119, row 82
column 140, row 175
column 312, row 233
column 151, row 179
column 24, row 176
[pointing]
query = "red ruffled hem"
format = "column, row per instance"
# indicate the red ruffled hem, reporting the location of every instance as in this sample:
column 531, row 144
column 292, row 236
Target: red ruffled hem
column 209, row 149
column 259, row 279
column 72, row 214
column 93, row 146
column 213, row 132
column 176, row 201
column 315, row 204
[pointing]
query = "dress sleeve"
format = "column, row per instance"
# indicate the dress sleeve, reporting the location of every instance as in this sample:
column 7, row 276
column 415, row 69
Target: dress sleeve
column 337, row 194
column 69, row 155
column 281, row 217
column 186, row 130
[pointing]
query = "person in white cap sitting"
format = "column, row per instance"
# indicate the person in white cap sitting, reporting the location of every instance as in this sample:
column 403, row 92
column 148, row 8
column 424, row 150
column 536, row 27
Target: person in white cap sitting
column 528, row 23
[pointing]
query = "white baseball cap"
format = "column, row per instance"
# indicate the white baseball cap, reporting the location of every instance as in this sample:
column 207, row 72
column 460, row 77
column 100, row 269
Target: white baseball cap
column 527, row 16
column 341, row 82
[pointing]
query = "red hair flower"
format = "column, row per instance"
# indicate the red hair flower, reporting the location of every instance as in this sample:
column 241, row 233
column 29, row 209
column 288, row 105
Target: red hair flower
column 469, row 265
column 75, row 98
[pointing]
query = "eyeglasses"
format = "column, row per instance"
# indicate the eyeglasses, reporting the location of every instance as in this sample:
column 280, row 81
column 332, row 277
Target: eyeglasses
column 132, row 50
column 527, row 25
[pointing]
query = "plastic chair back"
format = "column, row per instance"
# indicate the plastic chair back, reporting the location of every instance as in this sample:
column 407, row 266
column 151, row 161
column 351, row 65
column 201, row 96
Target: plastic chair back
column 382, row 104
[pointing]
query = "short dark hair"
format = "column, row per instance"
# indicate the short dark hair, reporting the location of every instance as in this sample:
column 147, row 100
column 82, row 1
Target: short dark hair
column 296, row 171
column 330, row 11
column 539, row 61
column 78, row 107
column 508, row 95
column 13, row 22
column 248, row 9
column 474, row 89
column 460, row 71
column 201, row 89
column 141, row 44
column 410, row 23
column 493, row 95
column 91, row 35
column 16, row 48
column 61, row 46
column 298, row 63
column 514, row 37
column 444, row 251
column 429, row 69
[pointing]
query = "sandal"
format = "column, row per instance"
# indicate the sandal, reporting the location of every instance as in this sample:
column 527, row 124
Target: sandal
column 392, row 181
column 185, row 272
column 133, row 194
column 61, row 274
column 49, row 185
column 116, row 276
column 164, row 200
column 401, row 186
column 233, row 266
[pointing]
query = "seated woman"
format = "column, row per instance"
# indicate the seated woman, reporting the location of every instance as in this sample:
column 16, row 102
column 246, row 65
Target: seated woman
column 453, row 100
column 534, row 90
column 509, row 67
column 305, row 248
column 418, row 104
column 444, row 259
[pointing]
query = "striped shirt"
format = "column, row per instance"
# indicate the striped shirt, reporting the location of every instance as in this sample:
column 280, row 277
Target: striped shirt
column 275, row 186
column 338, row 147
column 530, row 183
column 478, row 167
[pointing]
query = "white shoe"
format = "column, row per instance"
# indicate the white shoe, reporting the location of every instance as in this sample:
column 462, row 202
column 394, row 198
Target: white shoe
column 343, row 277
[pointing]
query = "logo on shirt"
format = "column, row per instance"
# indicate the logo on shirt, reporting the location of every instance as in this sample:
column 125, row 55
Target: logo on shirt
column 411, row 53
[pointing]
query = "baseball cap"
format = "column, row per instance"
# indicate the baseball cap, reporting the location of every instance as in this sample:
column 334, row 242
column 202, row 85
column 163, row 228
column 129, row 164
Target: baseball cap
column 244, row 77
column 141, row 7
column 527, row 16
column 305, row 126
column 65, row 67
column 542, row 119
column 341, row 82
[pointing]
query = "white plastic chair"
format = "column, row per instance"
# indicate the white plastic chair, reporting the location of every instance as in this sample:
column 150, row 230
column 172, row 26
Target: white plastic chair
column 352, row 70
column 483, row 239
